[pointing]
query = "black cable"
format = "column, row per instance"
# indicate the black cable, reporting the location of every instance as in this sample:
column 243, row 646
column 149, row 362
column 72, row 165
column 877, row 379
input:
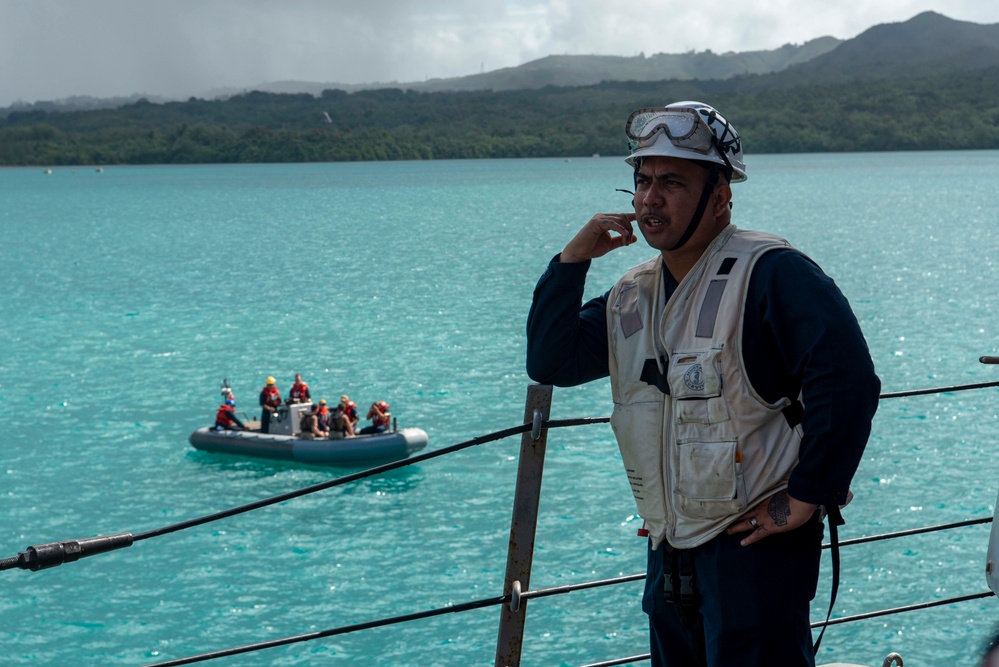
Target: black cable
column 899, row 610
column 835, row 621
column 465, row 606
column 621, row 661
column 322, row 486
column 249, row 648
column 48, row 555
column 912, row 531
column 940, row 390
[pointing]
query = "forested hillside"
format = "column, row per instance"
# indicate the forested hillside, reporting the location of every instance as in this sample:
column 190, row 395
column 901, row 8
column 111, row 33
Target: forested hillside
column 925, row 84
column 941, row 112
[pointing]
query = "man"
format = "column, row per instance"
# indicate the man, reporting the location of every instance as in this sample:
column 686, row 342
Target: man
column 309, row 425
column 743, row 395
column 226, row 419
column 299, row 391
column 380, row 416
column 270, row 401
column 339, row 425
column 323, row 415
column 350, row 416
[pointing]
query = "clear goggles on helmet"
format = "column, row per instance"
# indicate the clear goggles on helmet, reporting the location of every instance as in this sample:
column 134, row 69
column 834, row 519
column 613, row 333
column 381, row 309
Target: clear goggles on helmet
column 685, row 128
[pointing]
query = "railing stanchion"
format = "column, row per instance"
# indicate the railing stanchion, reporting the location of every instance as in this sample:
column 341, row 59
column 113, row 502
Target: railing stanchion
column 523, row 526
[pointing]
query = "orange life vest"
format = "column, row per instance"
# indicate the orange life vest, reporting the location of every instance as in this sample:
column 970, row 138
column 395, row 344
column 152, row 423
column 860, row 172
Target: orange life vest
column 382, row 419
column 223, row 417
column 299, row 391
column 270, row 396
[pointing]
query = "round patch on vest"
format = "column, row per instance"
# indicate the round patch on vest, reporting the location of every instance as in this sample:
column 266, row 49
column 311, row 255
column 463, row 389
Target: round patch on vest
column 694, row 378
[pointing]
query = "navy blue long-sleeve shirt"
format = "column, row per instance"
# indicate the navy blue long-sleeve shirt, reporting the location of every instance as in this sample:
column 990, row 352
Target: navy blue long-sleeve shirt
column 799, row 336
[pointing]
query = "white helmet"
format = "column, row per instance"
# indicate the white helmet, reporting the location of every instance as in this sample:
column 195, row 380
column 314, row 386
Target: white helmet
column 690, row 131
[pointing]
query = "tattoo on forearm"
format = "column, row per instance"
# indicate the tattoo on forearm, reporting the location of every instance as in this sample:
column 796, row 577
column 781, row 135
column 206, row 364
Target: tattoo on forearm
column 779, row 508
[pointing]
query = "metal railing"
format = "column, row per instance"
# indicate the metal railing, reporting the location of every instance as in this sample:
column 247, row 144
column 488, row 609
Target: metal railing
column 524, row 522
column 516, row 587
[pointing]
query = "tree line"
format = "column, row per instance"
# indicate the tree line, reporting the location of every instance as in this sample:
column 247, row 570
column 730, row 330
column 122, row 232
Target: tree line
column 930, row 113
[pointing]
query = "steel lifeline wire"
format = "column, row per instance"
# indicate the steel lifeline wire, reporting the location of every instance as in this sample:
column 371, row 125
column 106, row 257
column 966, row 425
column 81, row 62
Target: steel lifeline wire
column 517, row 598
column 52, row 554
column 44, row 556
column 48, row 555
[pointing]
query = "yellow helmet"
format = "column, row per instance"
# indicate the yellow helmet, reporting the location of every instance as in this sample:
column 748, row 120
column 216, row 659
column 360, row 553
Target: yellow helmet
column 270, row 380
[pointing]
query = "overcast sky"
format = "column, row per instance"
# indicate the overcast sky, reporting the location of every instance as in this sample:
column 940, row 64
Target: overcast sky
column 52, row 49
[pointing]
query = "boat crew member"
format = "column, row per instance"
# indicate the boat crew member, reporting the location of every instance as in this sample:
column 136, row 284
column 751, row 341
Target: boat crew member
column 226, row 419
column 339, row 424
column 299, row 391
column 743, row 393
column 349, row 413
column 380, row 418
column 270, row 401
column 336, row 422
column 309, row 424
column 324, row 415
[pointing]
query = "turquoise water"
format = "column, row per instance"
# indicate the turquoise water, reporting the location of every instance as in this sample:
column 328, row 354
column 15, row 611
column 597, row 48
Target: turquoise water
column 129, row 294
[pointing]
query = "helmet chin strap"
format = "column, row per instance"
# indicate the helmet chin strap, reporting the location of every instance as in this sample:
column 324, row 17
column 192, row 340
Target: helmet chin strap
column 709, row 187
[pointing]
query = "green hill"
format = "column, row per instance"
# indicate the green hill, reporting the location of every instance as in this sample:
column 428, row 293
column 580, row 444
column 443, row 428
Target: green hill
column 590, row 70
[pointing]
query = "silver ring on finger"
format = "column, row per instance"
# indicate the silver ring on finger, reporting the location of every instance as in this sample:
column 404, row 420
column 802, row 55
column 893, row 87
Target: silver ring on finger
column 753, row 522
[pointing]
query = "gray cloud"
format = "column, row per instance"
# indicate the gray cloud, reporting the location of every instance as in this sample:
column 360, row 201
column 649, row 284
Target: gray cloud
column 51, row 49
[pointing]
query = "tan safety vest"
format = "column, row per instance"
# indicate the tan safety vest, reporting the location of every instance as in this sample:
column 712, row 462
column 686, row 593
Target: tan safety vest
column 701, row 455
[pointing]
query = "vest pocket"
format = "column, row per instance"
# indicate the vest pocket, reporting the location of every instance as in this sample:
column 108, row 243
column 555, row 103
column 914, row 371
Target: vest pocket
column 709, row 411
column 695, row 374
column 695, row 382
column 636, row 425
column 709, row 481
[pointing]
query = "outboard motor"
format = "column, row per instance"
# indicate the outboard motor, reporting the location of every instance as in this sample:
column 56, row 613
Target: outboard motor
column 225, row 390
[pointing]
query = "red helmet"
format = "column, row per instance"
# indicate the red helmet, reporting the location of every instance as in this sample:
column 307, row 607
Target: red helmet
column 383, row 406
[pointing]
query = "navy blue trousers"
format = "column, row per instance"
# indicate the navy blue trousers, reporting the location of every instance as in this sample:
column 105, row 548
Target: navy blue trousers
column 750, row 605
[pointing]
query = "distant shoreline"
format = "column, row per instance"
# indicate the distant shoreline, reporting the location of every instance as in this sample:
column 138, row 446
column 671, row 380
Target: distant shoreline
column 932, row 112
